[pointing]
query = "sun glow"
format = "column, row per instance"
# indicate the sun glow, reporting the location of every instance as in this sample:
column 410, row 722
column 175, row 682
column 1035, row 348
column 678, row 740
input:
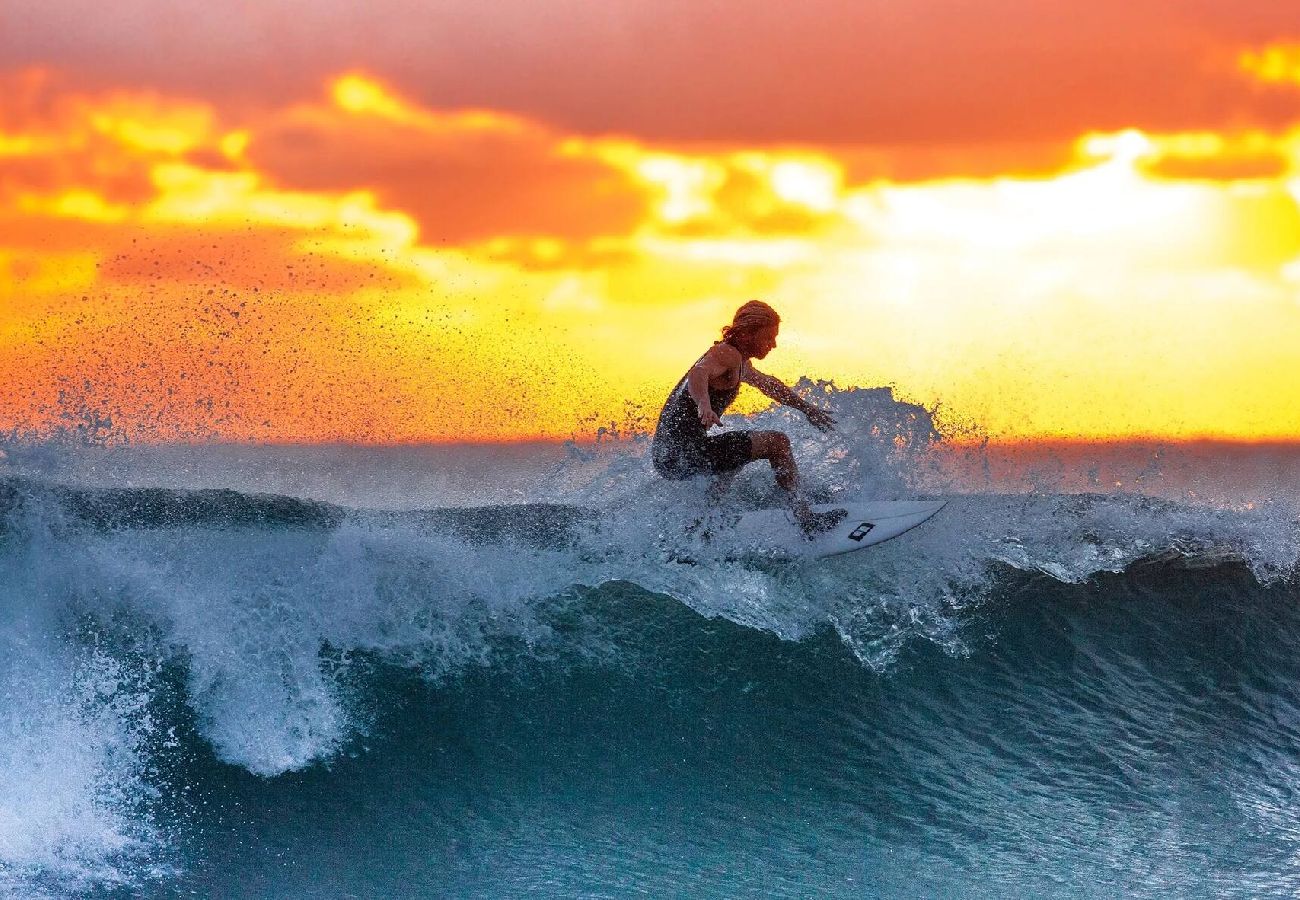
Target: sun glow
column 1149, row 285
column 813, row 183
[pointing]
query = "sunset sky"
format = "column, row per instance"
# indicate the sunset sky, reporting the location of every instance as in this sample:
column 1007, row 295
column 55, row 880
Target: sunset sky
column 405, row 221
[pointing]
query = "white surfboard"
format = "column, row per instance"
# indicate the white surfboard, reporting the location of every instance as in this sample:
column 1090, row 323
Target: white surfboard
column 775, row 531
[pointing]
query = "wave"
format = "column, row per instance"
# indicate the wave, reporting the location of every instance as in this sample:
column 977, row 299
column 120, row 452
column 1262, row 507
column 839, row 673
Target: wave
column 1089, row 687
column 256, row 622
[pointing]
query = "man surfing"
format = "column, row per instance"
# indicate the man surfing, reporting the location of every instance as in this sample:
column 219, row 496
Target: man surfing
column 682, row 446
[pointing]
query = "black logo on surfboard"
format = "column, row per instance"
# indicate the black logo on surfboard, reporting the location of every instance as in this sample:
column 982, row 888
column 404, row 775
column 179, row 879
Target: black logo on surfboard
column 861, row 531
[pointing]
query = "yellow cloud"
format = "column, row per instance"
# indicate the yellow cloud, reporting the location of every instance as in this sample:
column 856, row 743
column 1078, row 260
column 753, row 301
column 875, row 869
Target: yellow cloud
column 168, row 132
column 1277, row 63
column 362, row 95
column 74, row 203
column 14, row 145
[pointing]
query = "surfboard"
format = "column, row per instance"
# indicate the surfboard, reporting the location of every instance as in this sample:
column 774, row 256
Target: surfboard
column 775, row 531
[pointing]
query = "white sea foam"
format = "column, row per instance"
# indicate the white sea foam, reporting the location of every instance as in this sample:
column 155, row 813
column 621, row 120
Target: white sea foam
column 74, row 789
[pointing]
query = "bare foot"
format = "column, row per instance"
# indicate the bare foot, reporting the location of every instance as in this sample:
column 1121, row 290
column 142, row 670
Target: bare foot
column 815, row 524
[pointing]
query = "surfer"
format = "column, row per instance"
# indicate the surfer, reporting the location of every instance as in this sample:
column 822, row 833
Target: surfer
column 682, row 446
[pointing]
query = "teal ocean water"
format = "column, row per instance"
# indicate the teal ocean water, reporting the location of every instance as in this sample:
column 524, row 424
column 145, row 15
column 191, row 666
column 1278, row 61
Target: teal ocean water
column 513, row 671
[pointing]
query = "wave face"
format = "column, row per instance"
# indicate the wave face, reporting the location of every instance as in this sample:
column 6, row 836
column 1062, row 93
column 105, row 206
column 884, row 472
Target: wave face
column 519, row 671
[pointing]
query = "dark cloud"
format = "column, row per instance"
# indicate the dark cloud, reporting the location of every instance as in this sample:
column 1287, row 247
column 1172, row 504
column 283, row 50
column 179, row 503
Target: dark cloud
column 846, row 71
column 461, row 184
column 463, row 179
column 107, row 174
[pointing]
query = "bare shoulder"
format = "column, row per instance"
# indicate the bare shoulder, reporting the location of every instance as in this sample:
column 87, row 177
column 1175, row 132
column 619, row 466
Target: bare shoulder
column 719, row 359
column 726, row 354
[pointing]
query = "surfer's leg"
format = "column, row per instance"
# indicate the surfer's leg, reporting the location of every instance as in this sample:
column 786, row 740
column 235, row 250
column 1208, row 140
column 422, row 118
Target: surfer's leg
column 727, row 454
column 720, row 485
column 774, row 447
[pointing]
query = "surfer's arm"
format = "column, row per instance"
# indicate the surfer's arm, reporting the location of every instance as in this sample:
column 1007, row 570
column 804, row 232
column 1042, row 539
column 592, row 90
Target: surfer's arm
column 783, row 394
column 711, row 365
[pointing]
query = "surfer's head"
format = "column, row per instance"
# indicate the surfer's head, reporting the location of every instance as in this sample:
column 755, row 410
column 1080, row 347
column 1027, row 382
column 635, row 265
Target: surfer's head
column 753, row 329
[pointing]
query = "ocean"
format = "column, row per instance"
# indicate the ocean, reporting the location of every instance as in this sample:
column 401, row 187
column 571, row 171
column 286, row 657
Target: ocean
column 517, row 671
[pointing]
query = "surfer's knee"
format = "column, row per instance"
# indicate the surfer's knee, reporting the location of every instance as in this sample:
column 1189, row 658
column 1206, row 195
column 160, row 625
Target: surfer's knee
column 771, row 445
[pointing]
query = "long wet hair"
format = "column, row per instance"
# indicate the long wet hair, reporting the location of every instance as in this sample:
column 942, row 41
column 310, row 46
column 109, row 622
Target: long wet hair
column 750, row 317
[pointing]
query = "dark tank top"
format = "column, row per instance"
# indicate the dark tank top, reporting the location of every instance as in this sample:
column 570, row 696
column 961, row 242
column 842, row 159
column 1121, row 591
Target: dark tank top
column 679, row 421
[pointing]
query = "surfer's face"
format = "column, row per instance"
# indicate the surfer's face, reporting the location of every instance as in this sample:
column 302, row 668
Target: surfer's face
column 761, row 342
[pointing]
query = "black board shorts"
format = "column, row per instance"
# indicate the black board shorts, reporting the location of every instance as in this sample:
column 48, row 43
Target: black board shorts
column 711, row 455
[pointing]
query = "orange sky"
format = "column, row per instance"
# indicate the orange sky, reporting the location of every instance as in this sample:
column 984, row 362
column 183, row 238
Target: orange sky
column 290, row 222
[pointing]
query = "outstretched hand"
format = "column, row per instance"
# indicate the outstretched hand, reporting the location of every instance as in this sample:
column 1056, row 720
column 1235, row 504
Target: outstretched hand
column 820, row 418
column 708, row 418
